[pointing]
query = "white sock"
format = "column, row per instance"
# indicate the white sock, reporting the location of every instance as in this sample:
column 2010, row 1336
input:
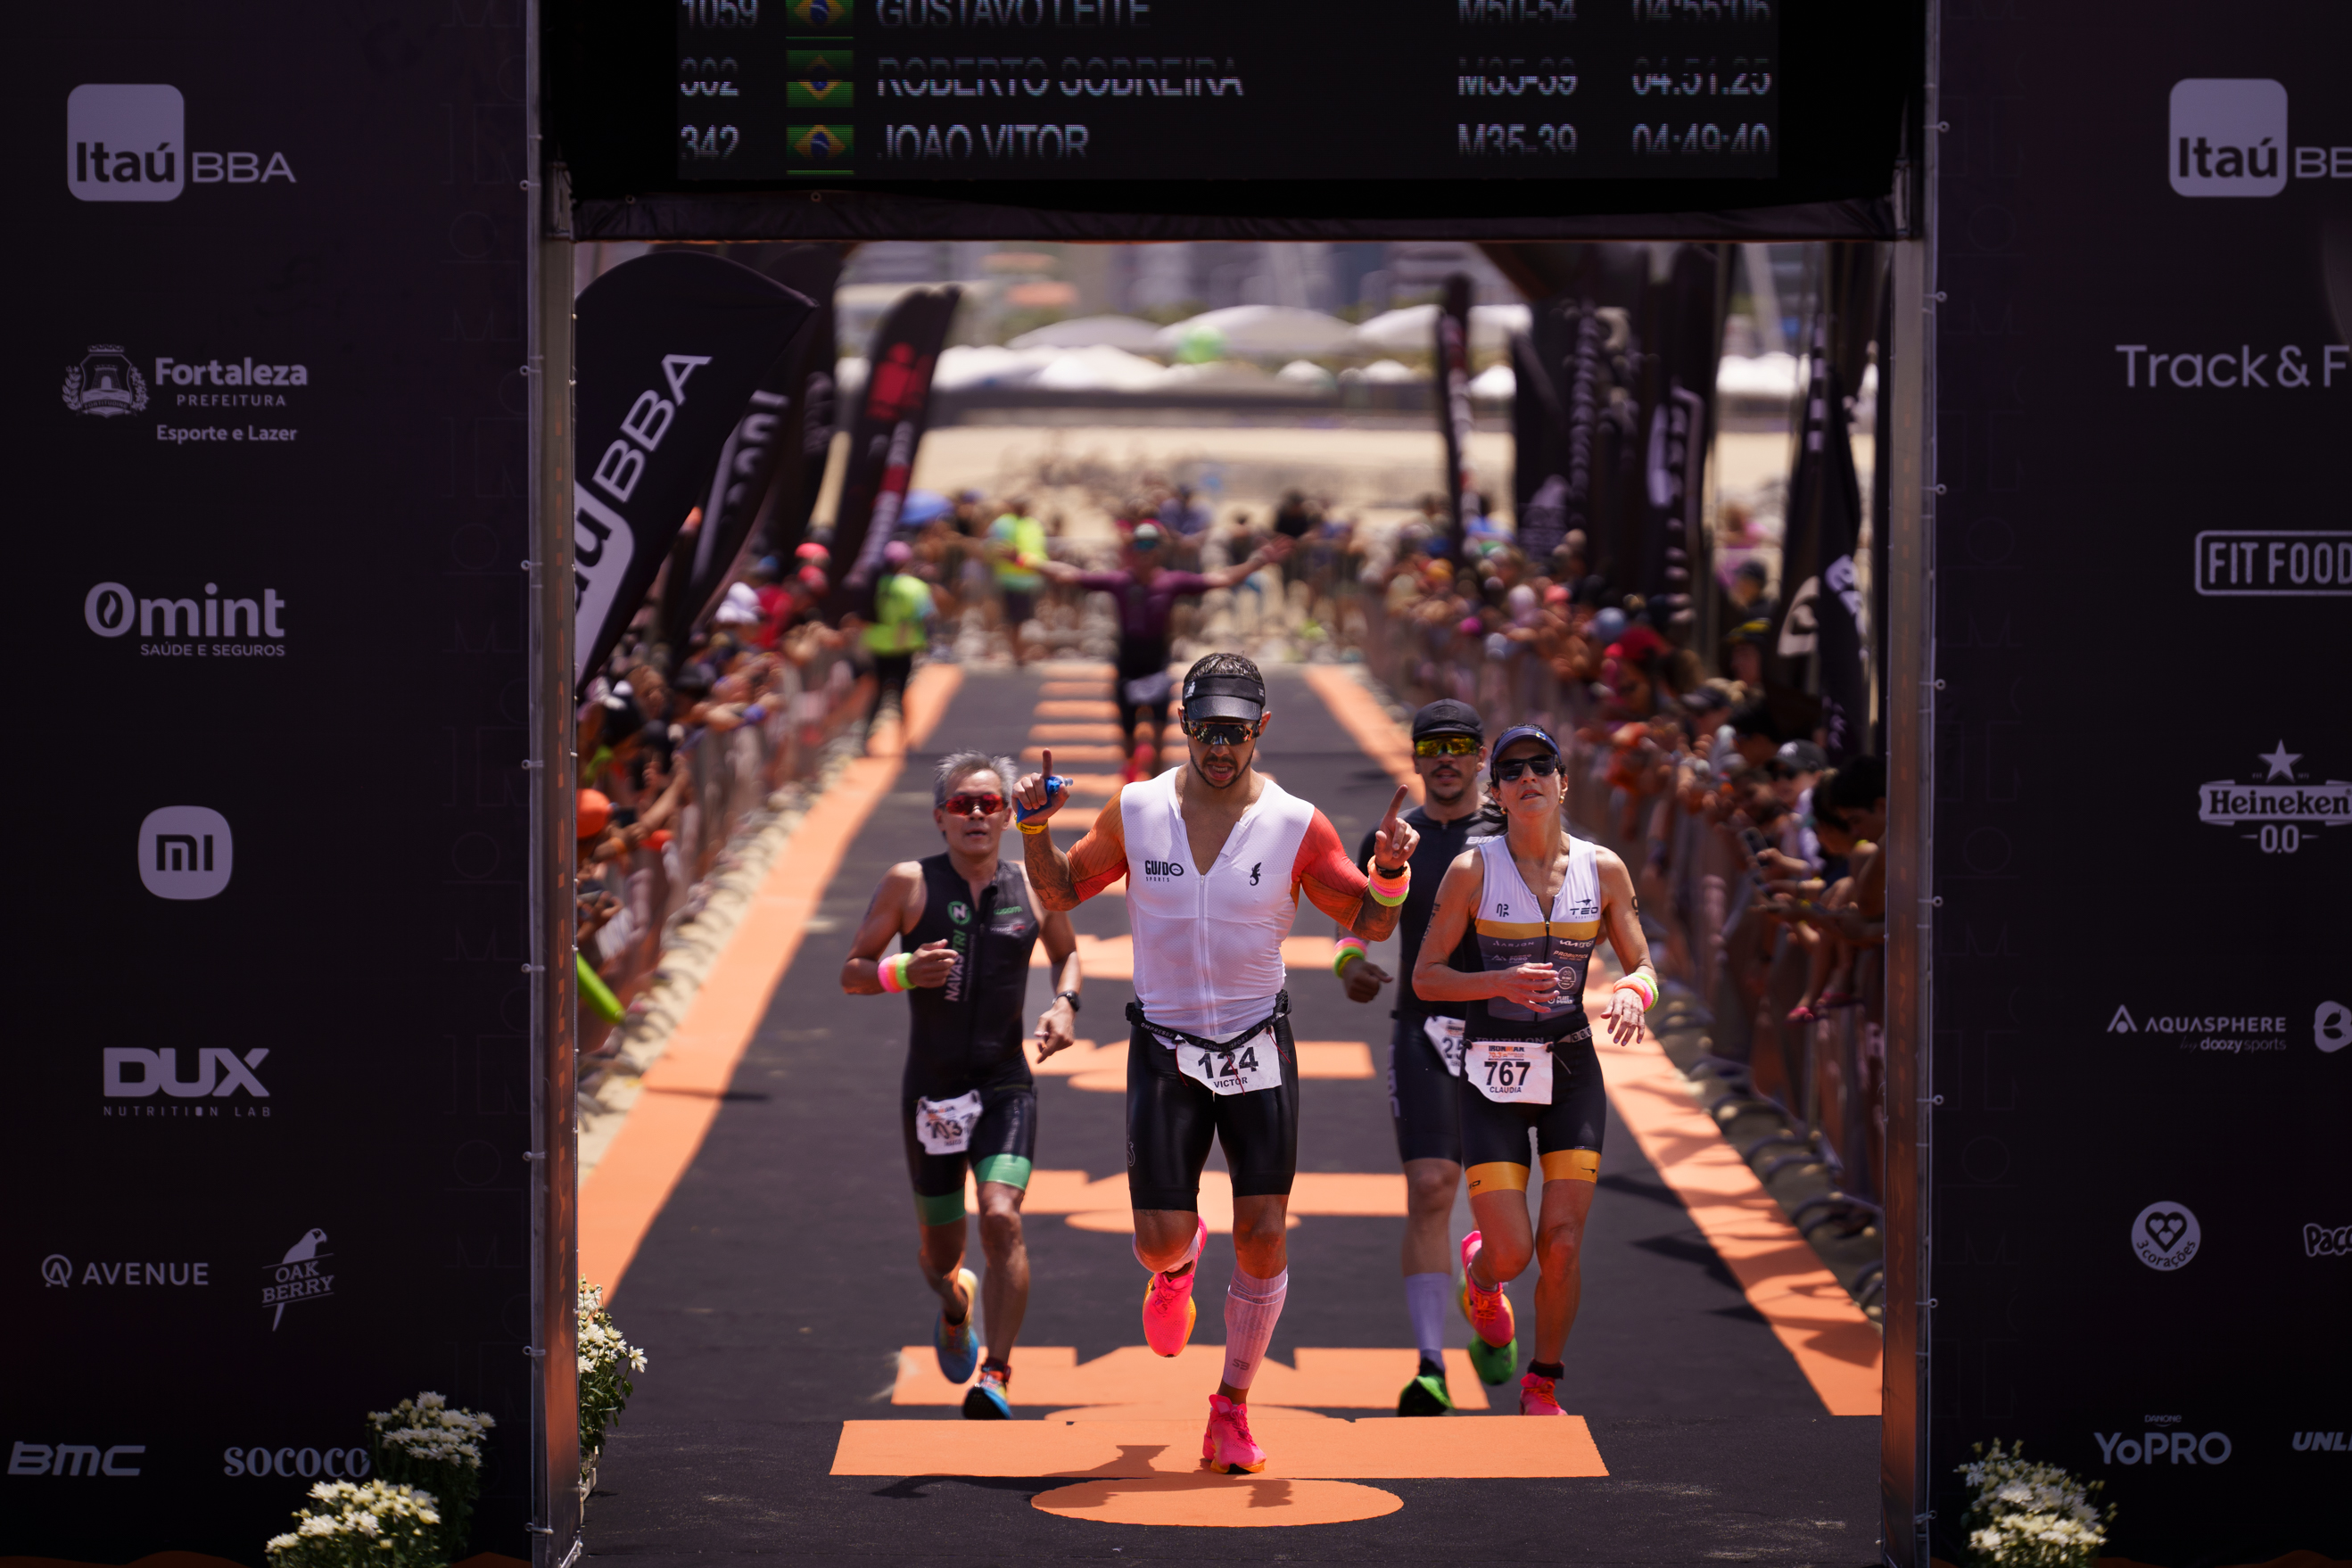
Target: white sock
column 1253, row 1306
column 1425, row 1296
column 1192, row 1253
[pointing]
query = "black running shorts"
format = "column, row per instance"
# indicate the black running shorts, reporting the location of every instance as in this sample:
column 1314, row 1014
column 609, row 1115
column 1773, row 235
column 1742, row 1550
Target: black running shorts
column 1424, row 1097
column 1002, row 1145
column 1568, row 1130
column 1171, row 1118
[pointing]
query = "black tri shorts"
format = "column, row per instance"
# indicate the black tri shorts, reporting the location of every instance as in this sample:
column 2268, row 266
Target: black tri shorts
column 1171, row 1118
column 1003, row 1143
column 1424, row 1097
column 1568, row 1130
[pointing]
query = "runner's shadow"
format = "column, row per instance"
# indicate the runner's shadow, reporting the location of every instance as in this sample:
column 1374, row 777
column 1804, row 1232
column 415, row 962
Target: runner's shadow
column 1133, row 1464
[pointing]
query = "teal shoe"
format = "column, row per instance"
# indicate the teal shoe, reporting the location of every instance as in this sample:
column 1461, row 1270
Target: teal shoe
column 958, row 1344
column 986, row 1400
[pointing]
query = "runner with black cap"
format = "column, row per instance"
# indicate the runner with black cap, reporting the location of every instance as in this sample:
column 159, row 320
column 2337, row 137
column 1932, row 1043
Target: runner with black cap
column 1513, row 931
column 1216, row 856
column 1449, row 752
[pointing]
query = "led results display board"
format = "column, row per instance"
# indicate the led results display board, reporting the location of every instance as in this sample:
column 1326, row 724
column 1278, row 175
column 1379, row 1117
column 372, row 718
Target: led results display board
column 1322, row 89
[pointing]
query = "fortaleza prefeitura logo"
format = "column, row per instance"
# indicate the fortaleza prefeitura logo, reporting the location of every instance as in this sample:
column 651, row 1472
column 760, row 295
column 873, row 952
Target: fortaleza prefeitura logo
column 107, row 383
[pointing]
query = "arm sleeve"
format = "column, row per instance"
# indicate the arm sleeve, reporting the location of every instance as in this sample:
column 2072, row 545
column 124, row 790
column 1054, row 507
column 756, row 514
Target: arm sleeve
column 1099, row 858
column 1103, row 582
column 1331, row 883
column 1184, row 584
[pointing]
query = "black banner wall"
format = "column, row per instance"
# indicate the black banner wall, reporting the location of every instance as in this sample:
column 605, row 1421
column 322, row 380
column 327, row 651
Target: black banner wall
column 671, row 347
column 764, row 454
column 2140, row 1263
column 893, row 410
column 1450, row 363
column 269, row 463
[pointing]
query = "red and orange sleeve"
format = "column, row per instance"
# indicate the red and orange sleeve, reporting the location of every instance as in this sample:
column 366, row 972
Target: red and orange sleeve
column 1099, row 858
column 1332, row 883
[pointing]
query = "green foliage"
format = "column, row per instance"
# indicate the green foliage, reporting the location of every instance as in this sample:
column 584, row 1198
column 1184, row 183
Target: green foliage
column 605, row 1360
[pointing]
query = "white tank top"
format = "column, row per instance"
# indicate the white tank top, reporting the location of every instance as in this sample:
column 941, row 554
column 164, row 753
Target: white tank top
column 1208, row 941
column 1512, row 927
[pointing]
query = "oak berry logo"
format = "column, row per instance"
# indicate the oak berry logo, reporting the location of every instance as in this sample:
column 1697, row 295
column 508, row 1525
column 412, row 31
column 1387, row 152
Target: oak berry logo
column 2229, row 137
column 2165, row 1236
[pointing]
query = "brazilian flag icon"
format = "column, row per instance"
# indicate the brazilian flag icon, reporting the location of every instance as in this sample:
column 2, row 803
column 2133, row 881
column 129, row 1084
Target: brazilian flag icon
column 818, row 146
column 820, row 80
column 820, row 16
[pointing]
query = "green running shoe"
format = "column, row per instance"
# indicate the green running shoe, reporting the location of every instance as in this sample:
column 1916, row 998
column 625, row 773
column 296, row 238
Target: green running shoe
column 1426, row 1395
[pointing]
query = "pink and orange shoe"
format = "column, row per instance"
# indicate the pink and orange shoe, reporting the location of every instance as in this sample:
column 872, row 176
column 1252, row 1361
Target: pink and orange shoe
column 1168, row 1309
column 1495, row 1347
column 1536, row 1396
column 1227, row 1449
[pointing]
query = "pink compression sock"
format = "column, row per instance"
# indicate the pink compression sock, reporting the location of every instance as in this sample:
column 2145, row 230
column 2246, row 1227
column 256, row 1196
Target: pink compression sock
column 1253, row 1306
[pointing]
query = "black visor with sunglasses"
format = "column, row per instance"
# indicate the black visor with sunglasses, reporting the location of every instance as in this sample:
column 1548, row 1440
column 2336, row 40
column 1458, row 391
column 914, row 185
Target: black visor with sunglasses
column 1504, row 771
column 987, row 804
column 1220, row 732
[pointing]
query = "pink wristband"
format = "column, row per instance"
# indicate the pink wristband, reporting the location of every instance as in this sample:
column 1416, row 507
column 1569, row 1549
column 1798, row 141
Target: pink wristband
column 1642, row 986
column 892, row 972
column 1385, row 891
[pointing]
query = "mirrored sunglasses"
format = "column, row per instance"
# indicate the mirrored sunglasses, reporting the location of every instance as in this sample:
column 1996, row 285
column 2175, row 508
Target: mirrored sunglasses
column 987, row 804
column 1446, row 746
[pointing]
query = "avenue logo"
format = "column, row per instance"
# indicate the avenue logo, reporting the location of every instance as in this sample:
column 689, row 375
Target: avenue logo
column 57, row 1272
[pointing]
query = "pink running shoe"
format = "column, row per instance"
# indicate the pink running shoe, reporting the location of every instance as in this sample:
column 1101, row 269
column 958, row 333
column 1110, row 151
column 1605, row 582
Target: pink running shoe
column 1227, row 1448
column 1168, row 1309
column 1489, row 1311
column 1535, row 1396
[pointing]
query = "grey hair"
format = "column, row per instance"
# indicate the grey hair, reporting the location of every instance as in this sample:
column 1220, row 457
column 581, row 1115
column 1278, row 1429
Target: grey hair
column 955, row 765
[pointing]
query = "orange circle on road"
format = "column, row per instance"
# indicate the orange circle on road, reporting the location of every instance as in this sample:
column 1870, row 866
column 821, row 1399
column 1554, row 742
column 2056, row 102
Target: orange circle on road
column 1243, row 1501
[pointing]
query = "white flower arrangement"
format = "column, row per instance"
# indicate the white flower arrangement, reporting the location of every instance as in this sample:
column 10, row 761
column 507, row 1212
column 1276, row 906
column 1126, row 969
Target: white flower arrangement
column 436, row 1446
column 2031, row 1516
column 371, row 1523
column 605, row 1389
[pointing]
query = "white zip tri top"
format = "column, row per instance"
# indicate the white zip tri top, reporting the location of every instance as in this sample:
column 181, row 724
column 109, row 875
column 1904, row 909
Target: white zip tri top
column 1511, row 927
column 1208, row 941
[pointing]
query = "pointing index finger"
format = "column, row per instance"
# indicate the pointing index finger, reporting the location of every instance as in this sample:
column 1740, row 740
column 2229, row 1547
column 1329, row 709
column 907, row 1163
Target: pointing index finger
column 1396, row 804
column 1046, row 768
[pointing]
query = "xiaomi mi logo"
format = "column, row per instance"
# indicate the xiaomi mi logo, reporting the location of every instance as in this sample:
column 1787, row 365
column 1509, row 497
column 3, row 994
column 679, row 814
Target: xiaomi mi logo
column 185, row 852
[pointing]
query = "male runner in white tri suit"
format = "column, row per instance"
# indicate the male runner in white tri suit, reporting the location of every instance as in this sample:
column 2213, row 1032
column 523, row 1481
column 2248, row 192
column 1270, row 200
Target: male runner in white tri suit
column 1513, row 931
column 1215, row 857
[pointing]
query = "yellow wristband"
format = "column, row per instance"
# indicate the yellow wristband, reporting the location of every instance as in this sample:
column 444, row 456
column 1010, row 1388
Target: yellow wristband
column 1031, row 829
column 1350, row 947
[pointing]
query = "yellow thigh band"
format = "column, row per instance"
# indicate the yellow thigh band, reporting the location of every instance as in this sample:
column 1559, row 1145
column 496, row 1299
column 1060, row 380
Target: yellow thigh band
column 1571, row 1165
column 1499, row 1175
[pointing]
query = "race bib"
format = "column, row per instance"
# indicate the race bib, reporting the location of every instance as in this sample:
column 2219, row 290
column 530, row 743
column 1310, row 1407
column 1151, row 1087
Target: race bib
column 1244, row 1068
column 1509, row 1072
column 1145, row 690
column 944, row 1126
column 1446, row 1034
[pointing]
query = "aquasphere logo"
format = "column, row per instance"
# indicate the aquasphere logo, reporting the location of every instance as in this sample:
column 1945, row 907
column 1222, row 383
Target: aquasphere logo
column 2165, row 1236
column 2229, row 137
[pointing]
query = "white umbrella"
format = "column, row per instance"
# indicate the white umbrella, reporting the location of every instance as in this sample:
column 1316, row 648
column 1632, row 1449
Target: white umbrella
column 1101, row 368
column 1495, row 382
column 1413, row 329
column 1262, row 331
column 1090, row 331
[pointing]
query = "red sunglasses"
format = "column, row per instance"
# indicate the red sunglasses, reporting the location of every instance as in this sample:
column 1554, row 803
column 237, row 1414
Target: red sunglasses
column 965, row 804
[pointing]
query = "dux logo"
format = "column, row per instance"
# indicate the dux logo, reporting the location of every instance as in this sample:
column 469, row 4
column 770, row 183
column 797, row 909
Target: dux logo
column 185, row 852
column 105, row 383
column 2165, row 1236
column 2229, row 137
column 126, row 142
column 2331, row 1026
column 300, row 1276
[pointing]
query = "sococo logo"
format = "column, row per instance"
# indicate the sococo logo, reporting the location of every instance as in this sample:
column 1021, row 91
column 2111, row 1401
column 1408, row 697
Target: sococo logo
column 127, row 141
column 2166, row 1237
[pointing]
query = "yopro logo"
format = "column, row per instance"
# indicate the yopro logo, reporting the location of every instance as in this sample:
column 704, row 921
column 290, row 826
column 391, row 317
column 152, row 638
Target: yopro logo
column 2229, row 137
column 185, row 852
column 126, row 142
column 2165, row 1236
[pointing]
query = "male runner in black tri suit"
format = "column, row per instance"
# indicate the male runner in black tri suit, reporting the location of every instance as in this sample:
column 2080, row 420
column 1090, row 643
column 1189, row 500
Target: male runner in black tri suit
column 1449, row 752
column 966, row 923
column 1512, row 935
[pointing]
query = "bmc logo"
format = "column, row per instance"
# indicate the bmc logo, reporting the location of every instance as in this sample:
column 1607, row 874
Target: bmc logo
column 185, row 852
column 1163, row 867
column 2229, row 137
column 72, row 1460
